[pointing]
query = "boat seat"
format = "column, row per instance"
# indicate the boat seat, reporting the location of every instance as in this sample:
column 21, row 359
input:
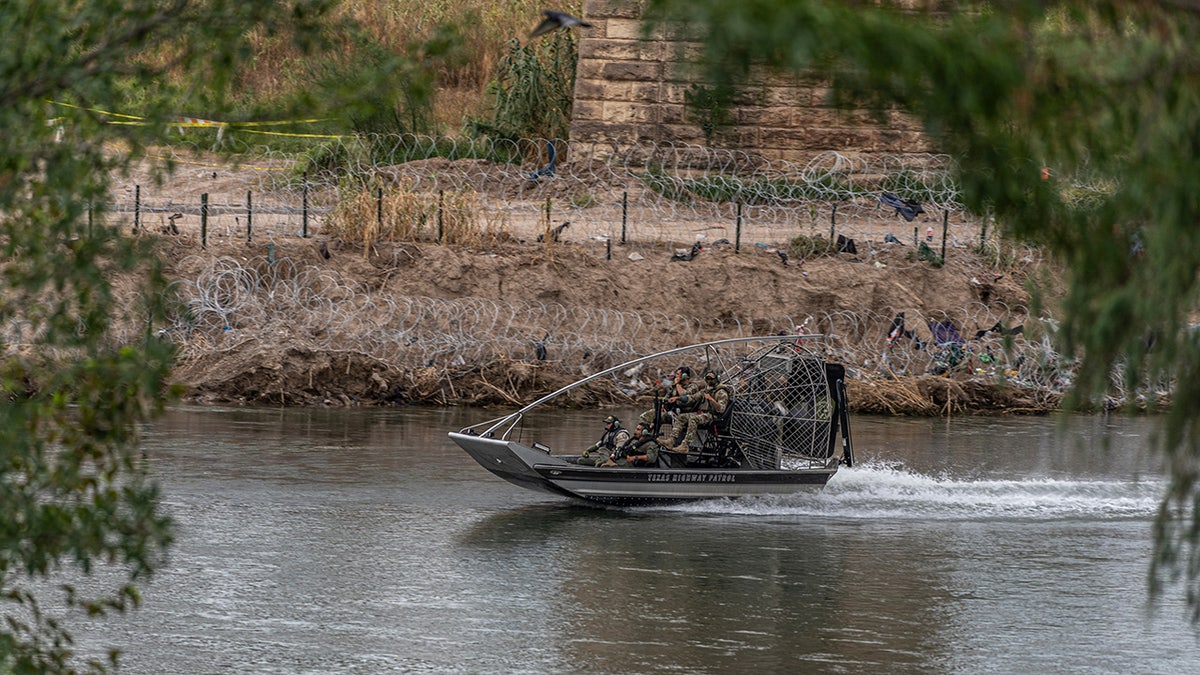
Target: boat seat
column 699, row 457
column 713, row 434
column 676, row 460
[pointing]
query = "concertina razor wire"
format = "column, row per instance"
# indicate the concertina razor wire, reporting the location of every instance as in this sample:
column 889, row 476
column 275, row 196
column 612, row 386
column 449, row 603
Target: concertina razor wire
column 231, row 303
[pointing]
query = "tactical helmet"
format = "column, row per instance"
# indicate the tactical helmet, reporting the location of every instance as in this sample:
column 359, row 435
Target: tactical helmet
column 612, row 420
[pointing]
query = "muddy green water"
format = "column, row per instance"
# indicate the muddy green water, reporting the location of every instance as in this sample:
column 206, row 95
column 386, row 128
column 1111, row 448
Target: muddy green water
column 363, row 541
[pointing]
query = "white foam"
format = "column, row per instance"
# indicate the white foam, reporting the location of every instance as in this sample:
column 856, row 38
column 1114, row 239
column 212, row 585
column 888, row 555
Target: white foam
column 878, row 490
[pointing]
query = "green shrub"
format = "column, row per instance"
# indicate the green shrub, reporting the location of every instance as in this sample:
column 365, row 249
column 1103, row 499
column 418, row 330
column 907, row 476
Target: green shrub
column 534, row 90
column 802, row 246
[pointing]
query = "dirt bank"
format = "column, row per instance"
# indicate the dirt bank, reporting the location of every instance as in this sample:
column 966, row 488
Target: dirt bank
column 640, row 298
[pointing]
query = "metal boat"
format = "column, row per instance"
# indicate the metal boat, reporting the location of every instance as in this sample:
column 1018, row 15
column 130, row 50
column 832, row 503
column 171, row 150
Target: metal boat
column 778, row 435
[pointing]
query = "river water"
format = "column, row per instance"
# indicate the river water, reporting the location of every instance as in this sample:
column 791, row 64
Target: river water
column 364, row 541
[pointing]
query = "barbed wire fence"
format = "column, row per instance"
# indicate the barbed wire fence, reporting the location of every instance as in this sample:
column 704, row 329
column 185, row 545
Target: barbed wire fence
column 645, row 196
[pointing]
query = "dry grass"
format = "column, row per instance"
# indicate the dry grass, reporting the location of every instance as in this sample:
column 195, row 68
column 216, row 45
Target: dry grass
column 486, row 27
column 455, row 106
column 406, row 215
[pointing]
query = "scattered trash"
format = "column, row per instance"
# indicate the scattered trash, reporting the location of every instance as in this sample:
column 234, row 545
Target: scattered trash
column 846, row 245
column 686, row 255
column 904, row 207
column 539, row 348
column 1000, row 330
column 636, row 257
column 879, row 265
column 891, row 239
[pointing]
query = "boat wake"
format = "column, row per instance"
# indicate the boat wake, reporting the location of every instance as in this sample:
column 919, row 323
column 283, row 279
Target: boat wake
column 875, row 490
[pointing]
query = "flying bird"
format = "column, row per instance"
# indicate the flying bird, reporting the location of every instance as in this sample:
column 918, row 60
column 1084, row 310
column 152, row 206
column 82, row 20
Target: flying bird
column 555, row 20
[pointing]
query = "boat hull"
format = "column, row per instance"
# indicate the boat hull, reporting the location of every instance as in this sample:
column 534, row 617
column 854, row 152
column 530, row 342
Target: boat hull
column 537, row 470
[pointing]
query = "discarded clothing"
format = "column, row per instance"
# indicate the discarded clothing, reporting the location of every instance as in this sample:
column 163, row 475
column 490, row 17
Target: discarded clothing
column 904, row 207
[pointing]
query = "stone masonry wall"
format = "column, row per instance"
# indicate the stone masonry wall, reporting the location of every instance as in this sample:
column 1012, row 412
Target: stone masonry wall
column 631, row 90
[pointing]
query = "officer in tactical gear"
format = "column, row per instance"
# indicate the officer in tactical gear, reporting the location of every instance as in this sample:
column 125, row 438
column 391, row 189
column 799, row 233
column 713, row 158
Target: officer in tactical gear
column 683, row 397
column 710, row 404
column 641, row 450
column 615, row 436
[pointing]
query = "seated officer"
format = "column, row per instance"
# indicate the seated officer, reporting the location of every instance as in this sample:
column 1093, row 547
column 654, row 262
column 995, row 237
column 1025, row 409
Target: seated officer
column 614, row 437
column 684, row 397
column 712, row 402
column 641, row 450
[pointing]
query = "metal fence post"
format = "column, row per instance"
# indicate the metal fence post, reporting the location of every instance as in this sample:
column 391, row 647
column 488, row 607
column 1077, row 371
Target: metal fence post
column 945, row 227
column 249, row 216
column 624, row 214
column 304, row 207
column 737, row 234
column 204, row 220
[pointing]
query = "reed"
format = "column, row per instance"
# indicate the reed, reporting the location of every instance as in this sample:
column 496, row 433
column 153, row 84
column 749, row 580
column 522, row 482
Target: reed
column 404, row 214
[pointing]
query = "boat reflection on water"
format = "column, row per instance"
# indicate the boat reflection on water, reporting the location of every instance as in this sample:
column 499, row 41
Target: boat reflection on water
column 704, row 593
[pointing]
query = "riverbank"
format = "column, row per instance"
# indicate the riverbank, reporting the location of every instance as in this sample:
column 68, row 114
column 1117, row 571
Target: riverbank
column 292, row 321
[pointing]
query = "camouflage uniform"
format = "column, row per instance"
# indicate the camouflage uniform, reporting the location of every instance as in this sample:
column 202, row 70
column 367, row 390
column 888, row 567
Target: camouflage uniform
column 640, row 445
column 713, row 401
column 614, row 436
column 680, row 386
column 685, row 397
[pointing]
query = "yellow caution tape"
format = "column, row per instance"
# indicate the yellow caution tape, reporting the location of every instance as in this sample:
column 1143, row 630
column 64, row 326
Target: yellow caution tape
column 279, row 122
column 282, row 133
column 190, row 122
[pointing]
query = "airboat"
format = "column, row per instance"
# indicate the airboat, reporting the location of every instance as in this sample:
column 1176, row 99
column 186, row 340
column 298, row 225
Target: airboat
column 778, row 435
